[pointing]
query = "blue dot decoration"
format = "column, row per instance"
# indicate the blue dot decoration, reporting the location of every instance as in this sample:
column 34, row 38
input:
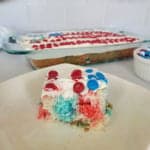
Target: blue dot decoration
column 100, row 76
column 55, row 34
column 65, row 109
column 89, row 70
column 92, row 84
column 91, row 76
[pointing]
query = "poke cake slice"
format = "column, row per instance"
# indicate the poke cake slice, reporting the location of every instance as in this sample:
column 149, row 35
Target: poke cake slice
column 76, row 96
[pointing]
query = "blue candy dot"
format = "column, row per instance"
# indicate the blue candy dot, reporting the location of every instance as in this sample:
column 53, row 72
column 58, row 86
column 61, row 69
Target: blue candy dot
column 92, row 84
column 89, row 70
column 55, row 34
column 100, row 76
column 91, row 76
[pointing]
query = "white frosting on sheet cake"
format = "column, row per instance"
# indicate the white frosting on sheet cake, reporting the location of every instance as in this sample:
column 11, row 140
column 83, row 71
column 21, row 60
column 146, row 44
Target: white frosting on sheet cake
column 76, row 97
column 71, row 39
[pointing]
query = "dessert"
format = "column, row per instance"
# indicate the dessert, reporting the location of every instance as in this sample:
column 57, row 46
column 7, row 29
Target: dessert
column 73, row 39
column 77, row 97
column 78, row 47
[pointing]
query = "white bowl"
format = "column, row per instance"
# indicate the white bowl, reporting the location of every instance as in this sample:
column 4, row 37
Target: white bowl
column 141, row 66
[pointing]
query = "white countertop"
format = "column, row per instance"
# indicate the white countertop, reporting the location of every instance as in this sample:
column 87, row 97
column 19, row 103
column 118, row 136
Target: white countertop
column 14, row 65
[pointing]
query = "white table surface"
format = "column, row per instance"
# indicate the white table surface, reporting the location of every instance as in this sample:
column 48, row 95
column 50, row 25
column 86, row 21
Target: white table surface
column 14, row 65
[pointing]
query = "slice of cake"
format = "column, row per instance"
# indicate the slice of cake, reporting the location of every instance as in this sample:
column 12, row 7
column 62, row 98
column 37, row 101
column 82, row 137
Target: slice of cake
column 75, row 96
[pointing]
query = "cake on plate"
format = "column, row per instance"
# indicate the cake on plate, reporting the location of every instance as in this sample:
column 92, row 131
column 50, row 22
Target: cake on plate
column 76, row 96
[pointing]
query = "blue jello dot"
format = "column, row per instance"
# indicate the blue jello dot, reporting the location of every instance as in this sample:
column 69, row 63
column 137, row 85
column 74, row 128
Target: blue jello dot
column 92, row 84
column 91, row 76
column 89, row 70
column 55, row 34
column 147, row 53
column 100, row 76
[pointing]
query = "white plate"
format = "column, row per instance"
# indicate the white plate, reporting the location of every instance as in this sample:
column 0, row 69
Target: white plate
column 129, row 128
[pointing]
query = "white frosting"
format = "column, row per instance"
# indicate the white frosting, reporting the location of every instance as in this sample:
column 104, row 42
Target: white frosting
column 25, row 41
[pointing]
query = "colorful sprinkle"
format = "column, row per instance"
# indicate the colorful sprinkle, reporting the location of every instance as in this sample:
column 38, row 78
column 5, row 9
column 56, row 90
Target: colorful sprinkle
column 92, row 84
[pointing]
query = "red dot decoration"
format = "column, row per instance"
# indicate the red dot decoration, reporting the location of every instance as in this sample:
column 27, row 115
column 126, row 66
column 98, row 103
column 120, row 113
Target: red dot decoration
column 78, row 87
column 51, row 86
column 76, row 74
column 52, row 74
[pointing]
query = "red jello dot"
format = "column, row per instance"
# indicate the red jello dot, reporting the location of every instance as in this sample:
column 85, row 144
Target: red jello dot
column 51, row 86
column 52, row 74
column 45, row 40
column 49, row 45
column 35, row 47
column 76, row 74
column 42, row 46
column 78, row 87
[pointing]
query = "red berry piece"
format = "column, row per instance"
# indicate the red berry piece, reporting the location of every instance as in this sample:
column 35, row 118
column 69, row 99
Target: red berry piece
column 76, row 74
column 52, row 74
column 78, row 87
column 51, row 86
